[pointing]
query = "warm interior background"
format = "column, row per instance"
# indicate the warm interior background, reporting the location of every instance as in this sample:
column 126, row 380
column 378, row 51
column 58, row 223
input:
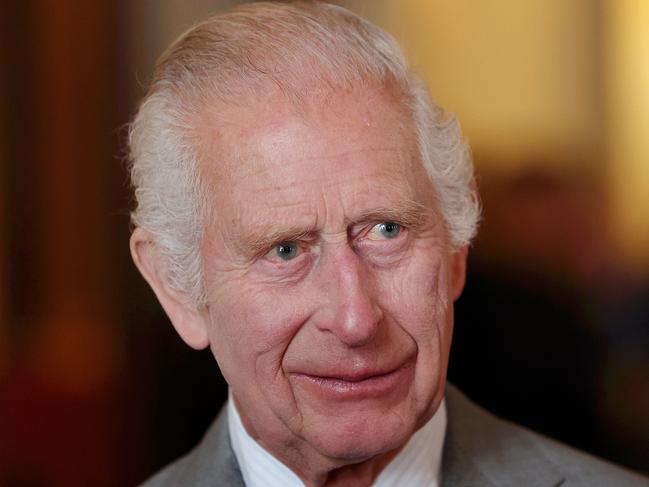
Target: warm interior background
column 553, row 328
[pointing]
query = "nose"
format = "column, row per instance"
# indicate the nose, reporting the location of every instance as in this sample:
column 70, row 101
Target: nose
column 353, row 314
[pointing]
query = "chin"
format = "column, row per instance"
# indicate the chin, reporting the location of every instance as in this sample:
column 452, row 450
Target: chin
column 356, row 442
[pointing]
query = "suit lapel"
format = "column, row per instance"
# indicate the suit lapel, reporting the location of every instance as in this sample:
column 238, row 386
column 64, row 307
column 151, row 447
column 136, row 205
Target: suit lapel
column 481, row 450
column 212, row 463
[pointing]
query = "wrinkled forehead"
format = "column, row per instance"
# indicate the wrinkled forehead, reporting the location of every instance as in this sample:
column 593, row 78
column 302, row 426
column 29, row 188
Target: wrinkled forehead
column 250, row 132
column 312, row 169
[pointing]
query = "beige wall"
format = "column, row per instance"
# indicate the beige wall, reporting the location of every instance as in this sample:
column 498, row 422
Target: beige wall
column 519, row 75
column 627, row 63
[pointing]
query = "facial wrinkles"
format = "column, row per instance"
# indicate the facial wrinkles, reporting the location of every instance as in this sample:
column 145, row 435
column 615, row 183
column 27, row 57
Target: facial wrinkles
column 391, row 283
column 355, row 361
column 428, row 275
column 438, row 333
column 267, row 357
column 329, row 215
column 425, row 325
column 328, row 237
column 279, row 178
column 321, row 183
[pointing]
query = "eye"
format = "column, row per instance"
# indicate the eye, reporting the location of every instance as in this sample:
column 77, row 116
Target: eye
column 384, row 230
column 284, row 251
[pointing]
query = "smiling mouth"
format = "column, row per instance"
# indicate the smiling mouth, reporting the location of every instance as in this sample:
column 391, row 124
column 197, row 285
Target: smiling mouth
column 354, row 385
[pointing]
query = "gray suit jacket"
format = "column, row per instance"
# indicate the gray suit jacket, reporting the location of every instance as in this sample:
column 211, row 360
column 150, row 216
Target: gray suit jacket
column 479, row 450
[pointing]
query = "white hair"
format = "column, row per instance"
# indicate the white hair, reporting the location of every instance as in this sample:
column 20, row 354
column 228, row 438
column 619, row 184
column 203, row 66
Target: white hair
column 235, row 56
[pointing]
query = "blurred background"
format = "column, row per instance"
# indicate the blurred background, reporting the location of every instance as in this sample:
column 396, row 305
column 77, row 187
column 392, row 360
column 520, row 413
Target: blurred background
column 552, row 330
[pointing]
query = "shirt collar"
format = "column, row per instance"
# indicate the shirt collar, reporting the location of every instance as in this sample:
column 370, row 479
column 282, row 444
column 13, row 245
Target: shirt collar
column 416, row 465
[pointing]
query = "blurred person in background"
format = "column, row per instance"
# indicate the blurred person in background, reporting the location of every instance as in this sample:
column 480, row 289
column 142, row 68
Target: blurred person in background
column 304, row 210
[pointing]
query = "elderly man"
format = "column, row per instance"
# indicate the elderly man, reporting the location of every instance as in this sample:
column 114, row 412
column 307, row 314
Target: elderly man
column 304, row 210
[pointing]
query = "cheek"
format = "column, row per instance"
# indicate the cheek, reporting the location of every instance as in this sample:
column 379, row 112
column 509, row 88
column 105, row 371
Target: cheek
column 251, row 327
column 416, row 299
column 417, row 294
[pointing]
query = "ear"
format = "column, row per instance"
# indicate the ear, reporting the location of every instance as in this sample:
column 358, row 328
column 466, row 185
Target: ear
column 458, row 271
column 186, row 318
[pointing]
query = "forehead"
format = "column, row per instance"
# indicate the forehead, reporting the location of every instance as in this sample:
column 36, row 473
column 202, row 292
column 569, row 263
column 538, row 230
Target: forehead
column 348, row 151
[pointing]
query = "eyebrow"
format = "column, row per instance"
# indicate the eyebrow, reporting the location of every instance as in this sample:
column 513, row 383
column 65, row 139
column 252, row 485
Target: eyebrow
column 408, row 213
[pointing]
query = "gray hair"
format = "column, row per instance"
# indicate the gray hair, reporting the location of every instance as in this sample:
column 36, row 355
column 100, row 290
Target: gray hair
column 236, row 56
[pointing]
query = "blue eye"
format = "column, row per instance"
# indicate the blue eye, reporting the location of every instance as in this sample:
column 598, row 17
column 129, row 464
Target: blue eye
column 384, row 230
column 286, row 250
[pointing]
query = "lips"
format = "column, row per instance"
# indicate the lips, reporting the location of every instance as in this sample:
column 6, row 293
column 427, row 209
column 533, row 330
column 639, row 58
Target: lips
column 344, row 384
column 355, row 376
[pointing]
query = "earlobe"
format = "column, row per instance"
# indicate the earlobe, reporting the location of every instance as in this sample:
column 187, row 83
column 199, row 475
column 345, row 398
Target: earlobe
column 458, row 271
column 186, row 318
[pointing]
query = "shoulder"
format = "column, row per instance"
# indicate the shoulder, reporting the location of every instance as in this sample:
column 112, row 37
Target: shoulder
column 212, row 463
column 170, row 475
column 498, row 452
column 588, row 469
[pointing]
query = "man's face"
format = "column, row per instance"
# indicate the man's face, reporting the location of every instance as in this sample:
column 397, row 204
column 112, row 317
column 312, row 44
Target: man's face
column 328, row 272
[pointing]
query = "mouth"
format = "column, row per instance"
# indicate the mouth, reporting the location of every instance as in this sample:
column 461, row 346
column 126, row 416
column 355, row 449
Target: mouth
column 354, row 385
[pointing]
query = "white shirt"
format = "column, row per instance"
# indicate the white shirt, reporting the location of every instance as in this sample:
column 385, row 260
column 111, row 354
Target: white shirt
column 416, row 465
